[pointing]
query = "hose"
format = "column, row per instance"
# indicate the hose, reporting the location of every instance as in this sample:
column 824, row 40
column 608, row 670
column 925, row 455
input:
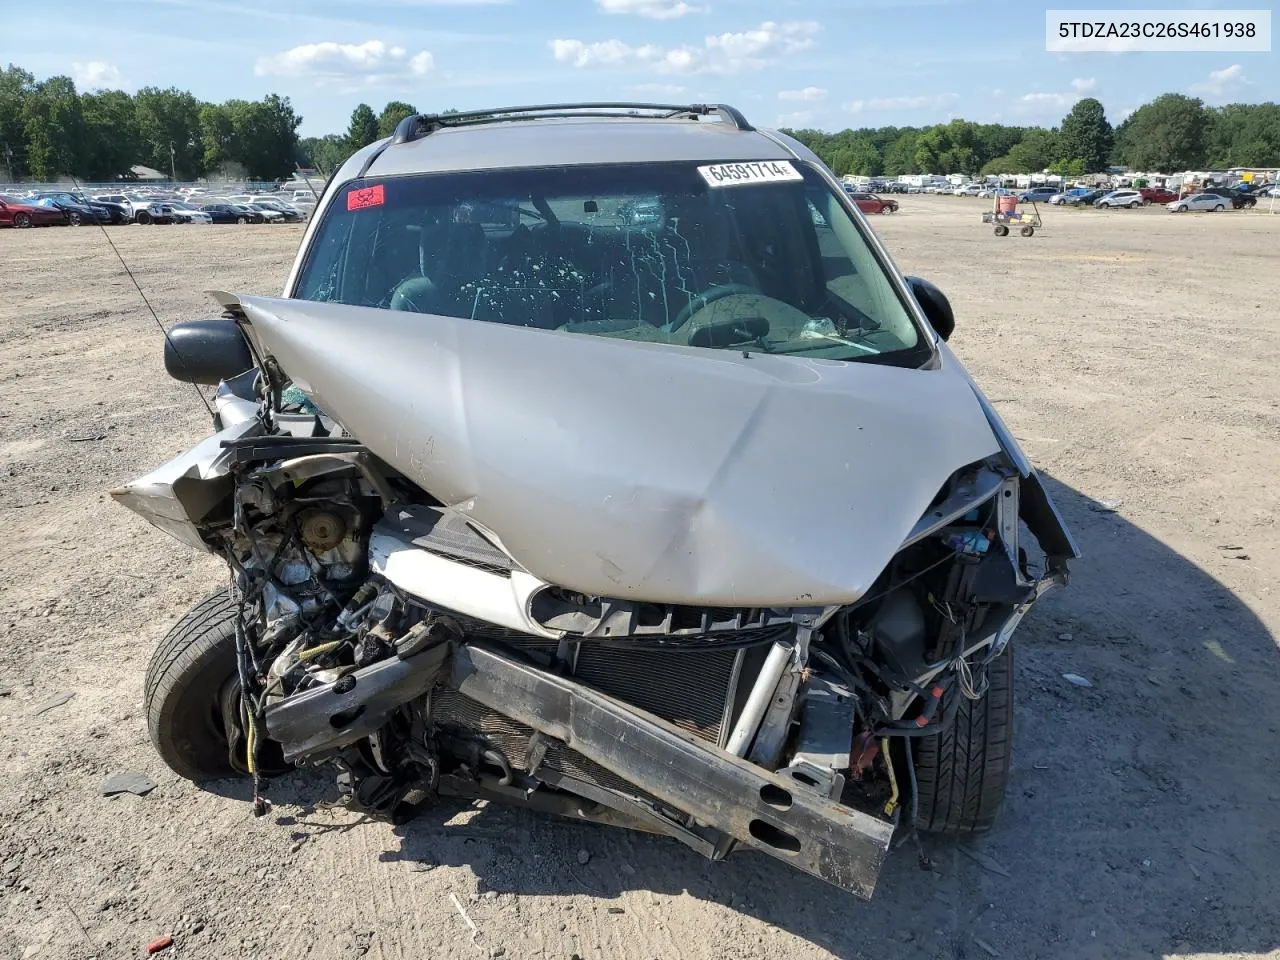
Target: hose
column 891, row 805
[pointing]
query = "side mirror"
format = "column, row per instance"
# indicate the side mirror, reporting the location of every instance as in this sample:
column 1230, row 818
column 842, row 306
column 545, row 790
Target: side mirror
column 936, row 306
column 206, row 351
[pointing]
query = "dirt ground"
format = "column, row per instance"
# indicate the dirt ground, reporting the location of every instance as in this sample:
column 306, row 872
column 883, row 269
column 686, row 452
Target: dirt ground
column 1133, row 353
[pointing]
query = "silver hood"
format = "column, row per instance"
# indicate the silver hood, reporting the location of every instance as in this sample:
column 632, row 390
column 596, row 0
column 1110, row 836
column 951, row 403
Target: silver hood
column 642, row 471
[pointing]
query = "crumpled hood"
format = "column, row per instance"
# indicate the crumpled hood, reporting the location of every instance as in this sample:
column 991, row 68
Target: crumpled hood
column 639, row 471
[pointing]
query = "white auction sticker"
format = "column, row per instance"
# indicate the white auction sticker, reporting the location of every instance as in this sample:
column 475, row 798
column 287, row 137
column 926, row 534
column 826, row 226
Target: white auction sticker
column 753, row 171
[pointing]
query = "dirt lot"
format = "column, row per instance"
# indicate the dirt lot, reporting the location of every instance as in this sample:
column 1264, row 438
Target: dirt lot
column 1134, row 354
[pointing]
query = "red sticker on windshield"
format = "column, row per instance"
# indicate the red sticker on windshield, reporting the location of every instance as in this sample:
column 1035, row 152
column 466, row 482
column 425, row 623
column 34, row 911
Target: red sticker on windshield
column 365, row 198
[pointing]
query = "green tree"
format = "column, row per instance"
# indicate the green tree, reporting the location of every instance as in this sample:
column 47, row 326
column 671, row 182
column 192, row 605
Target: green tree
column 1169, row 133
column 252, row 138
column 16, row 85
column 900, row 155
column 170, row 119
column 1086, row 135
column 1068, row 168
column 363, row 129
column 1245, row 135
column 54, row 128
column 111, row 141
column 391, row 115
column 325, row 153
column 1034, row 153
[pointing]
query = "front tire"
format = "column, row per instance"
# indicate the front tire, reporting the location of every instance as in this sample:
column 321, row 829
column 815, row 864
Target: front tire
column 73, row 219
column 242, row 219
column 1219, row 208
column 183, row 692
column 143, row 217
column 22, row 220
column 961, row 773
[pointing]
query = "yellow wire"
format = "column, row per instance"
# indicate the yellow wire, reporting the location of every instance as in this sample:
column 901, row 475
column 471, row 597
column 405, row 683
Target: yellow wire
column 252, row 738
column 892, row 803
column 316, row 651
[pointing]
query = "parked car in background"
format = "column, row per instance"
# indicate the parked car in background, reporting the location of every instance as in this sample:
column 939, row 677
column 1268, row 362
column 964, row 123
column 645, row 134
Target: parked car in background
column 870, row 203
column 1037, row 194
column 1157, row 195
column 1066, row 196
column 288, row 211
column 1128, row 199
column 184, row 212
column 269, row 214
column 76, row 210
column 969, row 190
column 989, row 192
column 255, row 216
column 225, row 213
column 1199, row 201
column 158, row 211
column 1085, row 199
column 21, row 213
column 1237, row 198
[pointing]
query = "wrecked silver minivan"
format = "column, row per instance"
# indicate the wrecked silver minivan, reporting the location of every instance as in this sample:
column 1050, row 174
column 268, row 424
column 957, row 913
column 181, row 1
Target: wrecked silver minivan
column 598, row 459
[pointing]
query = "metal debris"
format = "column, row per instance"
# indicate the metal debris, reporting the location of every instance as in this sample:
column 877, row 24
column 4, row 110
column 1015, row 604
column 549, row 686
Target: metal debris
column 1076, row 680
column 127, row 781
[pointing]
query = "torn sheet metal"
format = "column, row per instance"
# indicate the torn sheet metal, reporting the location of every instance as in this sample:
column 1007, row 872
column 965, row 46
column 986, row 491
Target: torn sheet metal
column 642, row 471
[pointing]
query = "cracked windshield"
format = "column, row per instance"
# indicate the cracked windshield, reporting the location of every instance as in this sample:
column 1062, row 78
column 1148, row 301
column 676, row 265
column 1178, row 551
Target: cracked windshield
column 759, row 257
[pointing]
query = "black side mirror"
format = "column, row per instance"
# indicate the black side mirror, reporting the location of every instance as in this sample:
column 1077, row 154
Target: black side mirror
column 206, row 351
column 936, row 306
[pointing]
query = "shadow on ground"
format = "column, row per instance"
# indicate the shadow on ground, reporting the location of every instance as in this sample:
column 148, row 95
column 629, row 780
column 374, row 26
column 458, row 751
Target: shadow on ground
column 1138, row 821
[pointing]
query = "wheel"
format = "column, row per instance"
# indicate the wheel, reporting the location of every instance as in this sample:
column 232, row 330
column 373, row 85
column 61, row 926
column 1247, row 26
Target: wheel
column 962, row 772
column 22, row 220
column 1027, row 231
column 1218, row 208
column 1001, row 230
column 242, row 219
column 73, row 218
column 190, row 671
column 1135, row 205
column 143, row 217
column 1146, row 203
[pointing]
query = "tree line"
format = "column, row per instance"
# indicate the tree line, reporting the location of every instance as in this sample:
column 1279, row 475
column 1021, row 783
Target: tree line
column 49, row 130
column 1170, row 134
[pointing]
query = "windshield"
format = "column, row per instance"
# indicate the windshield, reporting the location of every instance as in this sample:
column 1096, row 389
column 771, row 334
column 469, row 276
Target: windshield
column 662, row 253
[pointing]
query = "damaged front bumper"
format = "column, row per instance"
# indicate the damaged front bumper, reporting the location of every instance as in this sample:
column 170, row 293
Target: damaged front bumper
column 768, row 811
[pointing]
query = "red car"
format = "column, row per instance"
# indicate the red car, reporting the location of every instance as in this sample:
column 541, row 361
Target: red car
column 870, row 203
column 1157, row 195
column 19, row 213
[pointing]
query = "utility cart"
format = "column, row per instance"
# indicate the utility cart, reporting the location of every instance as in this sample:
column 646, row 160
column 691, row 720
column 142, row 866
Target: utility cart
column 1006, row 216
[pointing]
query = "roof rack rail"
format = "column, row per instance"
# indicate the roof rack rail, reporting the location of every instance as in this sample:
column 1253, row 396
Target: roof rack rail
column 424, row 124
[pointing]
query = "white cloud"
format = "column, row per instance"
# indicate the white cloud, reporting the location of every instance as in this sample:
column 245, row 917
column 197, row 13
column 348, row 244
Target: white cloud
column 722, row 53
column 808, row 94
column 1223, row 83
column 659, row 89
column 653, row 9
column 796, row 120
column 97, row 75
column 934, row 102
column 370, row 63
column 1080, row 87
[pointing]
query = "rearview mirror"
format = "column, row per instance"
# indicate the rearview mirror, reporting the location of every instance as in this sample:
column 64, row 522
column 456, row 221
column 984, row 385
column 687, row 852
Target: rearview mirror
column 206, row 351
column 936, row 306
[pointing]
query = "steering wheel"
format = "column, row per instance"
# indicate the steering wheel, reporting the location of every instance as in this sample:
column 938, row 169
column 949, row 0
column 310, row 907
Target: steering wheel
column 708, row 296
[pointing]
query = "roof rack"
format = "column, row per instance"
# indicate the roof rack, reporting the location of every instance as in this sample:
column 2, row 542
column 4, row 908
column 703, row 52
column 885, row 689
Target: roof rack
column 424, row 124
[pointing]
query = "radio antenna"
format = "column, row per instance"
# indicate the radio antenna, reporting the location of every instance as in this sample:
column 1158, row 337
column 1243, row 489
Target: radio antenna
column 137, row 286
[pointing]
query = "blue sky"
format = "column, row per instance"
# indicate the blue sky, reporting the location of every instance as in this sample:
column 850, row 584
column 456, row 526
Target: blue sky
column 823, row 63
